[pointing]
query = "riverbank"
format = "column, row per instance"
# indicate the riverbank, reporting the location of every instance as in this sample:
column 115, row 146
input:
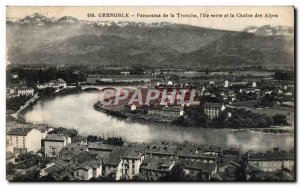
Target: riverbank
column 19, row 115
column 169, row 121
column 134, row 116
column 77, row 112
column 275, row 130
column 142, row 118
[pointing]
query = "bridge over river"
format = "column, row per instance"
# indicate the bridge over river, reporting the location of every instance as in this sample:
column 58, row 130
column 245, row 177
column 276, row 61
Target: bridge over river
column 105, row 87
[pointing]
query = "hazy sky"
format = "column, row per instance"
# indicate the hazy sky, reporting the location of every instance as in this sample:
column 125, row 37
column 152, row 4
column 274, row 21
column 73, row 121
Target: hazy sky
column 285, row 15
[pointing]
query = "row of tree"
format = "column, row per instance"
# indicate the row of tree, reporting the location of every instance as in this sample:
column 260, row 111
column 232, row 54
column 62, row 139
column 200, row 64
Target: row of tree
column 110, row 140
column 33, row 76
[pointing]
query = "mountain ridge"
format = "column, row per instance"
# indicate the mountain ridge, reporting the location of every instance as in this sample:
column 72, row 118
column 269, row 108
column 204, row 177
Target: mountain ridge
column 164, row 43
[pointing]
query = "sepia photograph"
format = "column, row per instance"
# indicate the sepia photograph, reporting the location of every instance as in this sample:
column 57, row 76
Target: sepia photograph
column 150, row 94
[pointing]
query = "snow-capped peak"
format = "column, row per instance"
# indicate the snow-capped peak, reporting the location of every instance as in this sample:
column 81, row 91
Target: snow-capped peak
column 14, row 20
column 67, row 19
column 268, row 30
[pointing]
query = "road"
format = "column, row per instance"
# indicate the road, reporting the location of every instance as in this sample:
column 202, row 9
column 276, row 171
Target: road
column 34, row 98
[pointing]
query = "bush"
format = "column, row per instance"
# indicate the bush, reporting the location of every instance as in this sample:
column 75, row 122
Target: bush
column 279, row 119
column 114, row 141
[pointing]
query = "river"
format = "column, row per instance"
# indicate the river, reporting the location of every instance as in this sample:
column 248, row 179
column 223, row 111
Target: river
column 76, row 111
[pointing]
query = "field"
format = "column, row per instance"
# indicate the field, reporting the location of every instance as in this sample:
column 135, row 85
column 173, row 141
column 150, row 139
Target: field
column 276, row 109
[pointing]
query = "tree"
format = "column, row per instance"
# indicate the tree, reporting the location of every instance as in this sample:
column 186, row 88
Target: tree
column 267, row 101
column 92, row 139
column 279, row 119
column 114, row 141
column 16, row 102
column 46, row 91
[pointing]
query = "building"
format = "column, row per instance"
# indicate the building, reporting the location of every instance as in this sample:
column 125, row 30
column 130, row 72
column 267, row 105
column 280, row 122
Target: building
column 11, row 91
column 88, row 170
column 131, row 162
column 25, row 170
column 44, row 129
column 14, row 76
column 100, row 79
column 125, row 73
column 239, row 84
column 231, row 94
column 254, row 84
column 198, row 170
column 226, row 84
column 212, row 110
column 56, row 84
column 155, row 110
column 101, row 148
column 71, row 151
column 130, row 108
column 197, row 156
column 156, row 150
column 251, row 91
column 24, row 140
column 42, row 86
column 113, row 165
column 229, row 171
column 231, row 154
column 53, row 143
column 25, row 91
column 154, row 168
column 271, row 161
column 58, row 169
column 172, row 112
column 165, row 111
column 202, row 90
column 50, row 169
column 211, row 83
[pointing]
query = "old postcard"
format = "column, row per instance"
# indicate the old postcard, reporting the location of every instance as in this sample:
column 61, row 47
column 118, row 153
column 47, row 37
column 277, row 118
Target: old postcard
column 150, row 93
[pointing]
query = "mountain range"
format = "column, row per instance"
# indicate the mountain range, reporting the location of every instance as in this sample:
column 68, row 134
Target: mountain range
column 67, row 40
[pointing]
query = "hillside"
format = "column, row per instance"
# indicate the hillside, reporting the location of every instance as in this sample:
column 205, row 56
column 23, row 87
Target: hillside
column 243, row 49
column 98, row 49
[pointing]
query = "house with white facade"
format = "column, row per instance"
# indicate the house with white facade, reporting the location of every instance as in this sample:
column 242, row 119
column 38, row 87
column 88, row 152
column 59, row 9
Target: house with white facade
column 25, row 91
column 56, row 84
column 212, row 110
column 131, row 162
column 24, row 140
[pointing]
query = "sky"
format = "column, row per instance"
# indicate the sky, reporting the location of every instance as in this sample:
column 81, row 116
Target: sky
column 243, row 16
